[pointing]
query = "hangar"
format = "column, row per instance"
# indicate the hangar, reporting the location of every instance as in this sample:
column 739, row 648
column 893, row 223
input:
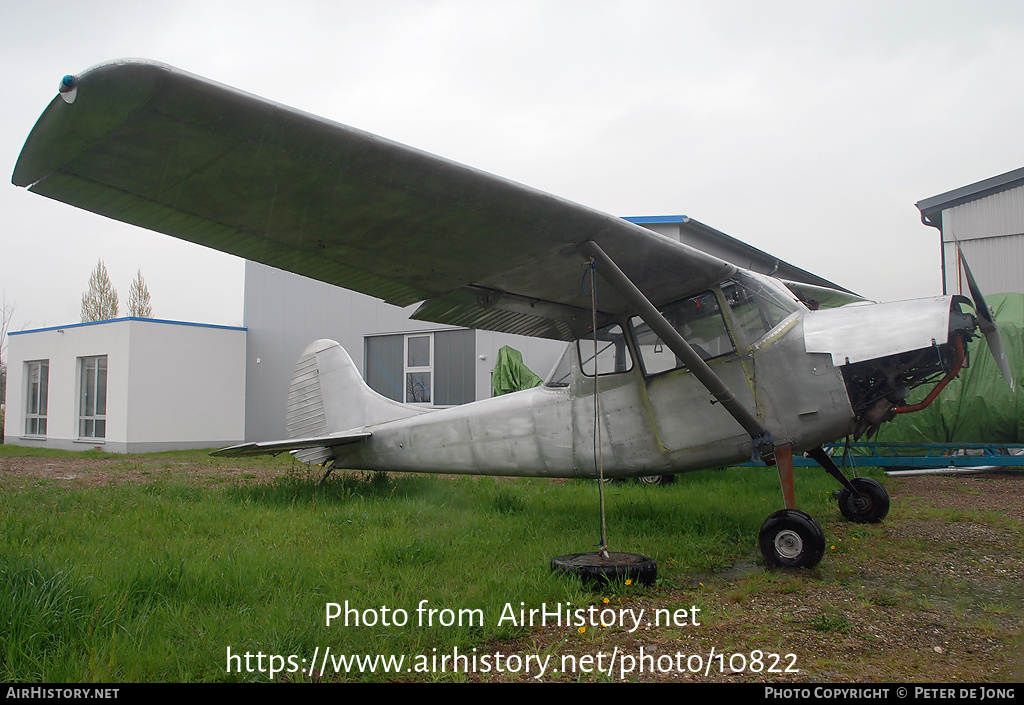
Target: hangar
column 986, row 221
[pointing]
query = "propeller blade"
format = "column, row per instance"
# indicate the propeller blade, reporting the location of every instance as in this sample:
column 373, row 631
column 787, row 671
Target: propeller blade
column 987, row 322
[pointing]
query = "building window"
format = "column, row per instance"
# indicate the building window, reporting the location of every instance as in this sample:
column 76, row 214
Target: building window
column 418, row 354
column 92, row 397
column 37, row 373
column 423, row 368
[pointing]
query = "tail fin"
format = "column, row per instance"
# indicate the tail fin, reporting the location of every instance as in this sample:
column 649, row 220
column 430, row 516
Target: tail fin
column 328, row 395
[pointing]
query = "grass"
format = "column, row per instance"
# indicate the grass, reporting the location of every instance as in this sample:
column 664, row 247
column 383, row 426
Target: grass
column 155, row 578
column 141, row 581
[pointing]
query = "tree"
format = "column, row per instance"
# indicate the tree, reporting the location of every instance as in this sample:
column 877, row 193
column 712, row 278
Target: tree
column 99, row 303
column 138, row 299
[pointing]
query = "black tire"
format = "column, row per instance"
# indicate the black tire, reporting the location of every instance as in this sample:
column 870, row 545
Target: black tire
column 870, row 508
column 593, row 568
column 792, row 539
column 657, row 479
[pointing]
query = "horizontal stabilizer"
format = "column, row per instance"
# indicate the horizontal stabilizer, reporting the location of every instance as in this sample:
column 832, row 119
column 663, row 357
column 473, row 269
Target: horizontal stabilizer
column 275, row 447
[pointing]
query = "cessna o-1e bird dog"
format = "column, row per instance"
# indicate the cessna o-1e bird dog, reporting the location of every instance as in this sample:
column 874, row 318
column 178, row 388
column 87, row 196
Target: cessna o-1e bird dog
column 696, row 362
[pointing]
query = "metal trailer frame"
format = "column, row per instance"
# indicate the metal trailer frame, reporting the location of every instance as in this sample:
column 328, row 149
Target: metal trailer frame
column 920, row 455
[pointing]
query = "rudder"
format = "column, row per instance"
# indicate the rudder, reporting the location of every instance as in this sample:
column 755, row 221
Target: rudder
column 328, row 395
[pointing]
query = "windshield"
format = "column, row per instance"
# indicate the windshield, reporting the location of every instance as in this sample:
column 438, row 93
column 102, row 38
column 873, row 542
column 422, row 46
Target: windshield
column 758, row 303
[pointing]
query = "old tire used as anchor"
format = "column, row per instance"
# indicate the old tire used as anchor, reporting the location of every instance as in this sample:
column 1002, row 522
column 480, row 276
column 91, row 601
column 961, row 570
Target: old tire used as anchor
column 792, row 539
column 595, row 568
column 870, row 507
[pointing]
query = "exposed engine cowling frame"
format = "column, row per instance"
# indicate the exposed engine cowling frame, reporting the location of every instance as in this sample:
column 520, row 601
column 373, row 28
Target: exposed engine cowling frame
column 879, row 388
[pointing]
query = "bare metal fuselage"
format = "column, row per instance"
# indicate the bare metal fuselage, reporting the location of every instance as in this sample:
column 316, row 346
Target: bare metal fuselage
column 649, row 424
column 808, row 377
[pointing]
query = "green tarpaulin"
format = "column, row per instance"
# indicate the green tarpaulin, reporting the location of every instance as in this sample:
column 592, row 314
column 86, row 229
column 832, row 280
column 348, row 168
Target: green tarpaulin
column 977, row 406
column 510, row 374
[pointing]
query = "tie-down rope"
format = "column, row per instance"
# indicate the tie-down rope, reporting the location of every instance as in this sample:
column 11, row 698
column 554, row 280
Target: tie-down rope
column 598, row 447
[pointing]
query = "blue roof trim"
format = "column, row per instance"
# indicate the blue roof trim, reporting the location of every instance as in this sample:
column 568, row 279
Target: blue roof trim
column 649, row 219
column 118, row 320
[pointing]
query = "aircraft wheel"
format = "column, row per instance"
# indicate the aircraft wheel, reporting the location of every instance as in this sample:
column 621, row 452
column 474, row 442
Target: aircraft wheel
column 594, row 568
column 792, row 539
column 870, row 508
column 657, row 479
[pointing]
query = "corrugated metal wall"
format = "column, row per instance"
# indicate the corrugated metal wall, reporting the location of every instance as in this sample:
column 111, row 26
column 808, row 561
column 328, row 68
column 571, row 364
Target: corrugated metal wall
column 284, row 313
column 992, row 216
column 991, row 235
column 997, row 263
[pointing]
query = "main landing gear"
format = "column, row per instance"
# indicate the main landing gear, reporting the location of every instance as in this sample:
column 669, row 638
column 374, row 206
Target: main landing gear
column 791, row 538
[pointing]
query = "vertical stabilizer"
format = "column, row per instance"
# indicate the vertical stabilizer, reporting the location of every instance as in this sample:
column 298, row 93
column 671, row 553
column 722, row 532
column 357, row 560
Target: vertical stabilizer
column 328, row 395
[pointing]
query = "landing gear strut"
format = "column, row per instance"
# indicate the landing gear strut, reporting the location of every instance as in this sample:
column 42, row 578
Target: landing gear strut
column 862, row 499
column 868, row 506
column 792, row 539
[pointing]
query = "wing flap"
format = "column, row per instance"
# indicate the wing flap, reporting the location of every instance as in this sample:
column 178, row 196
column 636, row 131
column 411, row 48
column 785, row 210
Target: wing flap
column 490, row 309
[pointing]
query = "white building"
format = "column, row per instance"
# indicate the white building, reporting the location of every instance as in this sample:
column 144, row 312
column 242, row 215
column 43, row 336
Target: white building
column 126, row 385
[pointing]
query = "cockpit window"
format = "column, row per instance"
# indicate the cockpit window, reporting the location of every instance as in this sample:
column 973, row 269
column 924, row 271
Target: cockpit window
column 562, row 373
column 698, row 319
column 612, row 352
column 758, row 304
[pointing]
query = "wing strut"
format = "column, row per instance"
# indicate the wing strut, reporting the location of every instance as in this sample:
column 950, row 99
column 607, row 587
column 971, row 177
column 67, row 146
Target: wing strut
column 678, row 345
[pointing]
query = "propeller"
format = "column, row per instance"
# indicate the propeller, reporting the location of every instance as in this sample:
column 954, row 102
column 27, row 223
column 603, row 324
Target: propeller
column 987, row 322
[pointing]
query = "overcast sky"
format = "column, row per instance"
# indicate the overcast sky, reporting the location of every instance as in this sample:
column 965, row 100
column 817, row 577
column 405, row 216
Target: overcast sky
column 808, row 129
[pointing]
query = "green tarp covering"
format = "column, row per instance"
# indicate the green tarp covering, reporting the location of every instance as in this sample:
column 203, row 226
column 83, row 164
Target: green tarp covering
column 510, row 374
column 977, row 406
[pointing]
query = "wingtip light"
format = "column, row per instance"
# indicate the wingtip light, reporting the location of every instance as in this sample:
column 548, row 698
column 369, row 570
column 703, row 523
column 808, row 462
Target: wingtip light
column 68, row 88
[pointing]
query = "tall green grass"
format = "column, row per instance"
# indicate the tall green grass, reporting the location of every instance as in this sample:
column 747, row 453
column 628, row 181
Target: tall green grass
column 154, row 582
